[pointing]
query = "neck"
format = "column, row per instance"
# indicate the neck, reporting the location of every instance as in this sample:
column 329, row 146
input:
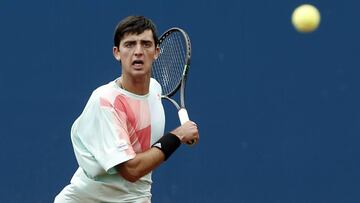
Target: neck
column 139, row 86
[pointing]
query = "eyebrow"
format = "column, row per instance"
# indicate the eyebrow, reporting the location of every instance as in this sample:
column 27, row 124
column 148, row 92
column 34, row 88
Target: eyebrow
column 141, row 41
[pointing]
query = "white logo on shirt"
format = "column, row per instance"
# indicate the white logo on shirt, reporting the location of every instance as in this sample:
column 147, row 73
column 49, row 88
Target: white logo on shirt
column 122, row 145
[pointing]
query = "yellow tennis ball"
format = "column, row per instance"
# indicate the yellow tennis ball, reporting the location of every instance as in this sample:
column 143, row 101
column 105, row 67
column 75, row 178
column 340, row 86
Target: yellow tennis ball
column 306, row 18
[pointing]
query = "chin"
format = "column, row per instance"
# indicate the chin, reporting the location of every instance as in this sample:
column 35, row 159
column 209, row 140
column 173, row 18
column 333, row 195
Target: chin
column 140, row 73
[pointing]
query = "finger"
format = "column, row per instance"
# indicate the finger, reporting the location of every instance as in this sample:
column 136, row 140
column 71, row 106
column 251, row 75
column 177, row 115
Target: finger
column 192, row 142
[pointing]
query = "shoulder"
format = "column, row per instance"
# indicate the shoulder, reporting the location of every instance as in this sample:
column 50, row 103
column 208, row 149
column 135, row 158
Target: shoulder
column 103, row 89
column 106, row 90
column 103, row 92
column 155, row 86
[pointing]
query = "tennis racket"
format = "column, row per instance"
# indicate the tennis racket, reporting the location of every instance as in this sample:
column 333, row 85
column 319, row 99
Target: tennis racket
column 171, row 68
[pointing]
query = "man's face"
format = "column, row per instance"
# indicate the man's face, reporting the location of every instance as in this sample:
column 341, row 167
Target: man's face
column 137, row 53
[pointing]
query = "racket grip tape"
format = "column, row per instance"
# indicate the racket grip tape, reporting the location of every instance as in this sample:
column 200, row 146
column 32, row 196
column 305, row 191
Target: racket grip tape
column 184, row 117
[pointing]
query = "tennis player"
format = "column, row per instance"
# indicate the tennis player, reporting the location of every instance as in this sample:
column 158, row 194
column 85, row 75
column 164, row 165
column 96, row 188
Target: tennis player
column 119, row 137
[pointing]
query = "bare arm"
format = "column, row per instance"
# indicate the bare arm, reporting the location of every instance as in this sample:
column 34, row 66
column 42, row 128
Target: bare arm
column 145, row 162
column 142, row 164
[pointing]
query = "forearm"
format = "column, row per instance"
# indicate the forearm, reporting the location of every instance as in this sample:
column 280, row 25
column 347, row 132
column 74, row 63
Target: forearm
column 145, row 162
column 142, row 164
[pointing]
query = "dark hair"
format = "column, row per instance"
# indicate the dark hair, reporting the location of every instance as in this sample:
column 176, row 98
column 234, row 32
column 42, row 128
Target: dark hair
column 134, row 25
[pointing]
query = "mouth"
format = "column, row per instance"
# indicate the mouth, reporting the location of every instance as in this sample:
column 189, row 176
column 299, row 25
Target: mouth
column 137, row 63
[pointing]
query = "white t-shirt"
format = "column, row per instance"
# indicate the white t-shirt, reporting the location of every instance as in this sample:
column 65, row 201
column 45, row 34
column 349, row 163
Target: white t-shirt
column 114, row 126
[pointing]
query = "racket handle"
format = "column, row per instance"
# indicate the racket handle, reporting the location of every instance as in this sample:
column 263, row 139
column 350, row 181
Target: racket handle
column 184, row 117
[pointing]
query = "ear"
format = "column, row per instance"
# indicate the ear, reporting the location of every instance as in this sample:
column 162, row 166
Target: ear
column 157, row 53
column 116, row 53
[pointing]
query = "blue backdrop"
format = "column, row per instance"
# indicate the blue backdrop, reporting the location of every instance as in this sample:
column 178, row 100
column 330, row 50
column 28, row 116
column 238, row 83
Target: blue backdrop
column 278, row 111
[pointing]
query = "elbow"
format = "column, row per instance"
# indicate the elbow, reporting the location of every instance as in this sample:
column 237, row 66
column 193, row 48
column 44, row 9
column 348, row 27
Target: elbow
column 130, row 177
column 128, row 172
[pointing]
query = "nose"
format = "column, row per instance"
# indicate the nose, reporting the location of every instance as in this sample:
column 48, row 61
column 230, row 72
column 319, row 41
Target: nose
column 138, row 50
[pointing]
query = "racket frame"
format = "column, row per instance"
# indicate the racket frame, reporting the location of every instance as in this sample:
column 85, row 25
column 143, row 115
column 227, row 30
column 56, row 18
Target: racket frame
column 183, row 115
column 181, row 83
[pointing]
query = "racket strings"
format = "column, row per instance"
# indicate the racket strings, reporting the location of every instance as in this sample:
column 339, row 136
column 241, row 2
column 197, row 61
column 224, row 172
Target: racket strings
column 169, row 67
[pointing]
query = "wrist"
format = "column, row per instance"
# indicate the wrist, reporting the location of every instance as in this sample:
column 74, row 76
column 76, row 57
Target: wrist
column 177, row 132
column 168, row 144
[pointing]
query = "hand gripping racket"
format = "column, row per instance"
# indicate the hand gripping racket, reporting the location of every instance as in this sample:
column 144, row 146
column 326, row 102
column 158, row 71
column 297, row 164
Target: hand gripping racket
column 170, row 69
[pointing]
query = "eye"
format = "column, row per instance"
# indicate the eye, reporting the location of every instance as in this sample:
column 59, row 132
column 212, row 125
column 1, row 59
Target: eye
column 147, row 44
column 129, row 44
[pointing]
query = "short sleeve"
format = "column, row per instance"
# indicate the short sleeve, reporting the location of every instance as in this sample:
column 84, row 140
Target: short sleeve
column 104, row 134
